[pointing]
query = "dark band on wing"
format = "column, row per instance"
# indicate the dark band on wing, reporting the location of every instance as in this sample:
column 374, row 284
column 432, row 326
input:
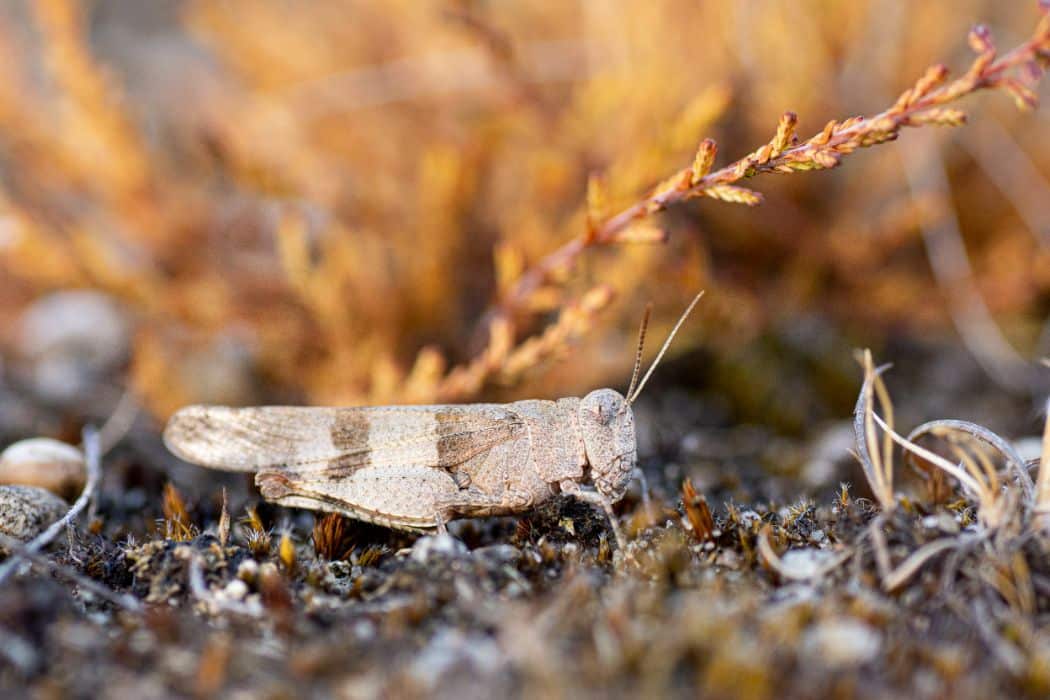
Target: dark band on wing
column 350, row 429
column 455, row 436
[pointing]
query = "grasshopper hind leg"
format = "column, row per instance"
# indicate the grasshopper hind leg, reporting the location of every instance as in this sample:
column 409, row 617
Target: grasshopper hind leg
column 473, row 503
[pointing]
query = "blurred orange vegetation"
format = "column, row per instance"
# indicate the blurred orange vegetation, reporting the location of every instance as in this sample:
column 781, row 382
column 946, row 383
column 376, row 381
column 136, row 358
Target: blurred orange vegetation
column 364, row 196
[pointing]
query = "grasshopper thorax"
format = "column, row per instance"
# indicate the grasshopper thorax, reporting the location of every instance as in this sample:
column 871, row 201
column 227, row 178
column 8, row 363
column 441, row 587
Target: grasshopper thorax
column 607, row 425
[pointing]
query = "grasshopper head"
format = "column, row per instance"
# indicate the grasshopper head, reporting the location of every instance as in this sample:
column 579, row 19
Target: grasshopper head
column 607, row 421
column 607, row 424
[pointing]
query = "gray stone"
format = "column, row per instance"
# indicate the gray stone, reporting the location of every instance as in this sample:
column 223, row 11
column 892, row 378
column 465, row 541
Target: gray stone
column 26, row 511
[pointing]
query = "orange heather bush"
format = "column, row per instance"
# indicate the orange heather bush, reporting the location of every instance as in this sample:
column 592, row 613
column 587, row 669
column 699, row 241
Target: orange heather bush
column 407, row 202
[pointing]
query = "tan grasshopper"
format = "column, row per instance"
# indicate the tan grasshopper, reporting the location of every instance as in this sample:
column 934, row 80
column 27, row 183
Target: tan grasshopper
column 417, row 467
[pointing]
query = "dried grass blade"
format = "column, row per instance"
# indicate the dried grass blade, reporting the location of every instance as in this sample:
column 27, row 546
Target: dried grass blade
column 940, row 428
column 973, row 486
column 878, row 544
column 876, row 463
column 910, row 566
column 977, row 472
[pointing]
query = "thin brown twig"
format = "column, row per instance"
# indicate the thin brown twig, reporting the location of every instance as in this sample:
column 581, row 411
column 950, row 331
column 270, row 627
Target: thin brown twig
column 896, row 578
column 508, row 362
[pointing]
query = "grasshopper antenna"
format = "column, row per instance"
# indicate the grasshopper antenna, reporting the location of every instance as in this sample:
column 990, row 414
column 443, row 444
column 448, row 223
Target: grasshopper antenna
column 632, row 395
column 641, row 344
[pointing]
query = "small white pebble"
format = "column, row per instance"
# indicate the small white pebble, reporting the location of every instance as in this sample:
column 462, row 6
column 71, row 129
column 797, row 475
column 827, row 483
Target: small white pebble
column 45, row 463
column 749, row 518
column 729, row 559
column 455, row 653
column 948, row 523
column 441, row 545
column 692, row 443
column 804, row 563
column 500, row 553
column 236, row 589
column 841, row 643
column 364, row 630
column 247, row 570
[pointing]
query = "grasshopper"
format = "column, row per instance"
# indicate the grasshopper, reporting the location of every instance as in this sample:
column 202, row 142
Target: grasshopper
column 417, row 467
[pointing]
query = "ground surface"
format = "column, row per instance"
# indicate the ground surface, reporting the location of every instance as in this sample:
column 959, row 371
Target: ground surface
column 779, row 594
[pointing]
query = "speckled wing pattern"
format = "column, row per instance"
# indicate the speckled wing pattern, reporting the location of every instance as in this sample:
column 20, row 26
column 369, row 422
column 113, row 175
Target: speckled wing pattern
column 337, row 440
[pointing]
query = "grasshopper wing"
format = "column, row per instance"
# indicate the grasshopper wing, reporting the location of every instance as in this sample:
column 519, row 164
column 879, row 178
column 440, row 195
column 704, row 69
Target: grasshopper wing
column 337, row 441
column 389, row 466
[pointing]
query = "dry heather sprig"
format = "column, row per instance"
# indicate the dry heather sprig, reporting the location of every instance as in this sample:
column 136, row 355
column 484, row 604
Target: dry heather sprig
column 384, row 258
column 509, row 362
column 923, row 104
column 93, row 114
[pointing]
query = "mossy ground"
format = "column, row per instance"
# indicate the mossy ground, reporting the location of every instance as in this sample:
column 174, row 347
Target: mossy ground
column 543, row 605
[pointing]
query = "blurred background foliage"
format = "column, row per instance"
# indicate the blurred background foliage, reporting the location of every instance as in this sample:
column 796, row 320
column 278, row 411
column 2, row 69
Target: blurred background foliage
column 322, row 202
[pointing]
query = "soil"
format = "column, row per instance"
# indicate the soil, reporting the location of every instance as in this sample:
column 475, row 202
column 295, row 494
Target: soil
column 760, row 578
